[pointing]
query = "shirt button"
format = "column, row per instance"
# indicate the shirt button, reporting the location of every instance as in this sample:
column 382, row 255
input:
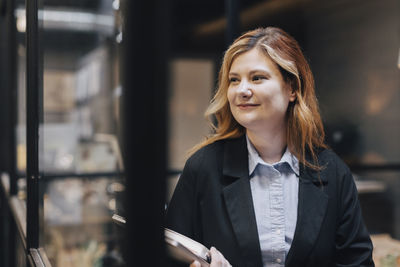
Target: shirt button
column 278, row 260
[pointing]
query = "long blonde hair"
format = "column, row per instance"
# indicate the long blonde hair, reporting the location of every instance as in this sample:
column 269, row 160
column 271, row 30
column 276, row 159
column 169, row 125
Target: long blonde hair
column 305, row 130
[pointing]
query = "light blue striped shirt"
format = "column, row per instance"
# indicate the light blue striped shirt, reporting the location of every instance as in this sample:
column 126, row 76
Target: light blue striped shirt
column 274, row 189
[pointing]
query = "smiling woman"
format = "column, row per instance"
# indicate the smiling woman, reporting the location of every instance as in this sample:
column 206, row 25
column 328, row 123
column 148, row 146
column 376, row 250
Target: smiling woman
column 304, row 127
column 264, row 189
column 258, row 99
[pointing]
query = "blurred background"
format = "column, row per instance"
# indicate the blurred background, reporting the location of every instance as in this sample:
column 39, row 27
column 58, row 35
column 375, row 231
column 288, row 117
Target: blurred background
column 83, row 66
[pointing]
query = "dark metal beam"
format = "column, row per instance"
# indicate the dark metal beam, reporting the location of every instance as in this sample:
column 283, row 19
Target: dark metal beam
column 32, row 122
column 8, row 87
column 12, row 95
column 233, row 20
column 8, row 84
column 144, row 63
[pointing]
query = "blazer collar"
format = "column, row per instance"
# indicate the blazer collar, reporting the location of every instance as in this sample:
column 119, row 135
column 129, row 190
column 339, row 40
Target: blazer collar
column 314, row 176
column 312, row 205
column 236, row 163
column 239, row 202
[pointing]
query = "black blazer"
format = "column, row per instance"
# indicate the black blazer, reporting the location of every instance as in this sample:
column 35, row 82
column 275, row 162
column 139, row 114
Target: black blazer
column 212, row 204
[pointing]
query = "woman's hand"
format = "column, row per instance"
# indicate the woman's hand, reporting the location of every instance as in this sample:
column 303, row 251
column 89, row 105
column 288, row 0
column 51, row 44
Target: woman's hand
column 217, row 260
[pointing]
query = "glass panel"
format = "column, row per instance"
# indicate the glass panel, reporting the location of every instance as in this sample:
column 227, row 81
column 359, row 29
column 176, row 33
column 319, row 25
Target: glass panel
column 187, row 125
column 21, row 99
column 357, row 77
column 79, row 104
column 80, row 158
column 78, row 229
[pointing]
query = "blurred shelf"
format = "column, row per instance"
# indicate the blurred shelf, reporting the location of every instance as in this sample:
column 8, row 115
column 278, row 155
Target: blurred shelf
column 370, row 186
column 68, row 19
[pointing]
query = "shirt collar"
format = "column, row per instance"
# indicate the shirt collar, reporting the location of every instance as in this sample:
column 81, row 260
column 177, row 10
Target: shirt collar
column 255, row 159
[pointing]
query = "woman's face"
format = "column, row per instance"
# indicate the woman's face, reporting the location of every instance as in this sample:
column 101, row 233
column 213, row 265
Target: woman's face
column 257, row 94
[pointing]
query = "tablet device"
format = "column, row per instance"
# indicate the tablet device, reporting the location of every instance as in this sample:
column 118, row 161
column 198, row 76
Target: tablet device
column 185, row 249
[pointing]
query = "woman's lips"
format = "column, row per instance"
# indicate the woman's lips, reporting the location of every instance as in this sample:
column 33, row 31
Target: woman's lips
column 247, row 106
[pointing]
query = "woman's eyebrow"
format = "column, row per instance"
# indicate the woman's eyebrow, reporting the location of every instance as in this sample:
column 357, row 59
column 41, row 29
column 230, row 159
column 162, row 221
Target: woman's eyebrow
column 258, row 71
column 233, row 74
column 251, row 72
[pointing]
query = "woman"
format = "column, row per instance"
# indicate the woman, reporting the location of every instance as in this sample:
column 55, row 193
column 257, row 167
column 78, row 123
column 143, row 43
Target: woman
column 263, row 189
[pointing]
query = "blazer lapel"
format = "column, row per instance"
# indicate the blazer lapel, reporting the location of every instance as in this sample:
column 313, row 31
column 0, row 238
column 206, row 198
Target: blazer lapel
column 239, row 202
column 312, row 206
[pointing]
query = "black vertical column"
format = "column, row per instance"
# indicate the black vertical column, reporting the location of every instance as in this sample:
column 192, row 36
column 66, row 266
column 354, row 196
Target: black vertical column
column 8, row 87
column 12, row 109
column 233, row 20
column 9, row 118
column 32, row 122
column 3, row 86
column 4, row 217
column 144, row 56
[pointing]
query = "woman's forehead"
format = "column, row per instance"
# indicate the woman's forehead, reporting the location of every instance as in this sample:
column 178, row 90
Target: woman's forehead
column 252, row 60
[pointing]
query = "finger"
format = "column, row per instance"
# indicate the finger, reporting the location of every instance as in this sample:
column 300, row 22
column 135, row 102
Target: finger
column 195, row 264
column 217, row 259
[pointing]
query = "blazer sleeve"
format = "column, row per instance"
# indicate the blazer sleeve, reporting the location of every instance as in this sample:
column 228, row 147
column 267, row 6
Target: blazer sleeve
column 182, row 210
column 353, row 244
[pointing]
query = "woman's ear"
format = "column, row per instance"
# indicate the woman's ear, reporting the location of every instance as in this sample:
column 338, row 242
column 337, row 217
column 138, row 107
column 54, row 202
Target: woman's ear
column 292, row 92
column 292, row 95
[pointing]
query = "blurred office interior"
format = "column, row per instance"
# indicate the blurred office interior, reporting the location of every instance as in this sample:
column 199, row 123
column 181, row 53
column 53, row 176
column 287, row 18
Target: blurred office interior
column 101, row 100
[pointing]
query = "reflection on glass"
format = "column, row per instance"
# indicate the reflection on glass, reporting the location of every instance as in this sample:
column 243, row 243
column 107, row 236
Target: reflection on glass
column 21, row 103
column 79, row 102
column 187, row 125
column 77, row 222
column 80, row 155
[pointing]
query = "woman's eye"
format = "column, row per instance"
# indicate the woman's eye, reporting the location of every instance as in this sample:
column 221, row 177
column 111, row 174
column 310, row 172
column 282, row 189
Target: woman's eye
column 258, row 78
column 233, row 80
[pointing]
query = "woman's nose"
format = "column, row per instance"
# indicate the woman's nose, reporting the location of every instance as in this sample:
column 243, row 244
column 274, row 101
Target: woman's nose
column 245, row 90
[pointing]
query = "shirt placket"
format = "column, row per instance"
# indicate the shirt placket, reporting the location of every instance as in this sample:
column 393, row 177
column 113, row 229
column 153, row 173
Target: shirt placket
column 277, row 216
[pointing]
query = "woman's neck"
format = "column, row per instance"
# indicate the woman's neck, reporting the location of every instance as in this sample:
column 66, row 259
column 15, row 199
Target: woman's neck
column 270, row 145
